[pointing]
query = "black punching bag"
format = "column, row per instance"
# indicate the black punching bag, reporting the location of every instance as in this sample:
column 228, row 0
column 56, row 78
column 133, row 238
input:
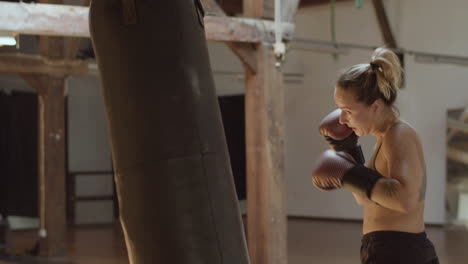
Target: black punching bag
column 174, row 182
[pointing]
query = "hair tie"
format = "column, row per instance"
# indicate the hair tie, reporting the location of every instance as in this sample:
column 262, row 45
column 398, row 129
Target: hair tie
column 375, row 66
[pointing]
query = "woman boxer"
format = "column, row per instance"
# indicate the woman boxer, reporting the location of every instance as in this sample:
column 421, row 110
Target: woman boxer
column 392, row 187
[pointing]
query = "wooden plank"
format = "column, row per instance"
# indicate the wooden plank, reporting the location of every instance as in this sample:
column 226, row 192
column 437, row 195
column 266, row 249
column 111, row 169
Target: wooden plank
column 72, row 21
column 243, row 29
column 16, row 63
column 44, row 19
column 458, row 155
column 266, row 216
column 72, row 44
column 384, row 25
column 458, row 125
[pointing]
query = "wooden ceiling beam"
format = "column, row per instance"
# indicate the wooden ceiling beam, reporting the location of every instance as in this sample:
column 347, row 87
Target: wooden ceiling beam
column 243, row 29
column 384, row 24
column 232, row 7
column 244, row 51
column 72, row 44
column 72, row 21
column 16, row 63
column 212, row 8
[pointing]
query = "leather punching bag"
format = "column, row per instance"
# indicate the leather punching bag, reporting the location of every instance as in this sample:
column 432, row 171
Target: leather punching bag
column 174, row 181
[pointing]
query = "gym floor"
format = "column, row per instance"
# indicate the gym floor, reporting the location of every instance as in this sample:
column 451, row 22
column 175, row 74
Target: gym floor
column 310, row 241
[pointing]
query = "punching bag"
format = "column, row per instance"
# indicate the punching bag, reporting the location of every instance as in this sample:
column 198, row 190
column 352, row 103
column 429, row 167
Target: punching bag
column 173, row 178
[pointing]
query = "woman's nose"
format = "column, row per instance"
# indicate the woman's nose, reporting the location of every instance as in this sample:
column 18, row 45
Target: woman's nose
column 342, row 119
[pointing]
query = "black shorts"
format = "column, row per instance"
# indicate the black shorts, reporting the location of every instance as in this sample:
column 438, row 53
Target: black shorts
column 394, row 247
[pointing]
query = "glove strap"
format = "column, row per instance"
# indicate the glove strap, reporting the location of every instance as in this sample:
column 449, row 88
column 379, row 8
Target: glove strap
column 361, row 179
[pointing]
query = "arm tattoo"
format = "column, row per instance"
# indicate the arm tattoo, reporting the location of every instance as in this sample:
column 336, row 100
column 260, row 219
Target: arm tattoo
column 422, row 190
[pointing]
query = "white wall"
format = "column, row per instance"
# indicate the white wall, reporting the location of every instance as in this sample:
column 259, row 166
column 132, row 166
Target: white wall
column 307, row 104
column 89, row 148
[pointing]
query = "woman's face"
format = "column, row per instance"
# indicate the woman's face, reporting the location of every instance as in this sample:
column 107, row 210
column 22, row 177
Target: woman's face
column 357, row 116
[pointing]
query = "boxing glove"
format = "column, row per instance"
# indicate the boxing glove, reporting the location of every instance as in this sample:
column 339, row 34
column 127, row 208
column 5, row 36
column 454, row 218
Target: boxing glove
column 335, row 170
column 340, row 137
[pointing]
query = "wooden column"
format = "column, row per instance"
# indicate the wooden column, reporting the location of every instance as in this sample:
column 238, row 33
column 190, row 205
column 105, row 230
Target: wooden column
column 51, row 149
column 52, row 166
column 266, row 191
column 384, row 25
column 51, row 162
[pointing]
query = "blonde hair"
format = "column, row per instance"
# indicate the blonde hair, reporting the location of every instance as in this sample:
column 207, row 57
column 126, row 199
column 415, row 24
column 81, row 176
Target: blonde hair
column 379, row 79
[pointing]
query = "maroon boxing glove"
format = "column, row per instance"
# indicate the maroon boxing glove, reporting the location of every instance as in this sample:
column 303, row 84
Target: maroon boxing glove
column 340, row 137
column 334, row 170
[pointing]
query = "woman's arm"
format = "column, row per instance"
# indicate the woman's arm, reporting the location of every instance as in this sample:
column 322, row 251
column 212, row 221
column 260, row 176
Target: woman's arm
column 361, row 200
column 400, row 188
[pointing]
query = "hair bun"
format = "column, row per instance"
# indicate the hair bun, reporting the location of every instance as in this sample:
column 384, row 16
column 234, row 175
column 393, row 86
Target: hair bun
column 389, row 75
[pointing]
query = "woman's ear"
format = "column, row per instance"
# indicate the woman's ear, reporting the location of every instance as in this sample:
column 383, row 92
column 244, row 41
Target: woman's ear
column 377, row 105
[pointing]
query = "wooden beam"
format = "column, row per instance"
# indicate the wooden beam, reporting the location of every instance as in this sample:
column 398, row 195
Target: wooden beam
column 266, row 198
column 72, row 44
column 453, row 125
column 16, row 63
column 51, row 151
column 259, row 8
column 384, row 25
column 266, row 192
column 246, row 53
column 51, row 133
column 44, row 19
column 458, row 125
column 212, row 8
column 72, row 21
column 243, row 29
column 457, row 154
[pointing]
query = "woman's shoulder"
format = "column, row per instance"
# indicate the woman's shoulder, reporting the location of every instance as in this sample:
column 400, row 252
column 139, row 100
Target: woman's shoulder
column 401, row 134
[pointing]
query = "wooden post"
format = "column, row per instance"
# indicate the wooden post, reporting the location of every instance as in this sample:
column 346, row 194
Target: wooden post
column 51, row 150
column 52, row 166
column 266, row 192
column 384, row 25
column 51, row 162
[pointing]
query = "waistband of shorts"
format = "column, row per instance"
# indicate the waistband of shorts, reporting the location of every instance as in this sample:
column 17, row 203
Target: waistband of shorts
column 391, row 235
